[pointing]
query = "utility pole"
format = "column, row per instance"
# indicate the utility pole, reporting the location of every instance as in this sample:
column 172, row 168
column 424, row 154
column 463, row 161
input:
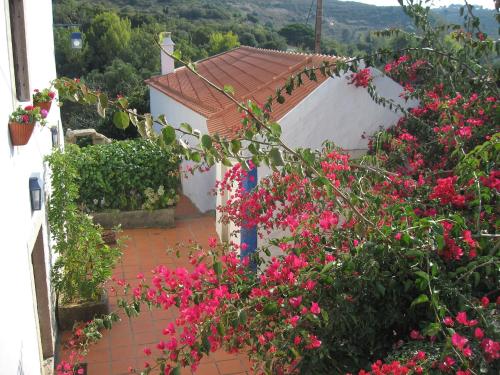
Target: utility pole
column 319, row 19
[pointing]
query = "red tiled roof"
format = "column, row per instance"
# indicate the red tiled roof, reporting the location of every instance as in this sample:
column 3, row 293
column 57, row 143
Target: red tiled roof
column 254, row 74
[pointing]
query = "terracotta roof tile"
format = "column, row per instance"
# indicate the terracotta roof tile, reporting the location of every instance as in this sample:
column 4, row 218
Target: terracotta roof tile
column 254, row 74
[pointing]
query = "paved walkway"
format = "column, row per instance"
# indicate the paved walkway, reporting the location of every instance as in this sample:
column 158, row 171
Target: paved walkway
column 123, row 346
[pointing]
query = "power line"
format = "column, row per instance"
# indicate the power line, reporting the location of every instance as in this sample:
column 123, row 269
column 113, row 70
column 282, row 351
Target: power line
column 309, row 14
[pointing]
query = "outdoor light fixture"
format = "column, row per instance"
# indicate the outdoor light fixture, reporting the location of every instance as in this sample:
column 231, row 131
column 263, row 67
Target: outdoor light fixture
column 35, row 194
column 54, row 131
column 76, row 40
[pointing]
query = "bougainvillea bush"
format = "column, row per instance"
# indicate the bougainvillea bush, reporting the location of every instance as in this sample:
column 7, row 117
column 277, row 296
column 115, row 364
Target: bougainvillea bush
column 390, row 263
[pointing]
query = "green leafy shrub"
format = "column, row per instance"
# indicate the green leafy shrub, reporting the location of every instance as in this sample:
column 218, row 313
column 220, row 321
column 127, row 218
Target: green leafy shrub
column 119, row 175
column 84, row 261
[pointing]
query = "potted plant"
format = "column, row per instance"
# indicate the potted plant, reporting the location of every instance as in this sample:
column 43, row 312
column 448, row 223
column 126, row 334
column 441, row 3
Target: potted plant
column 43, row 99
column 22, row 122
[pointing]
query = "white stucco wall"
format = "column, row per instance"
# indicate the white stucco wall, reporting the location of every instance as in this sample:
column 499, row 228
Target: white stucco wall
column 340, row 112
column 198, row 187
column 20, row 350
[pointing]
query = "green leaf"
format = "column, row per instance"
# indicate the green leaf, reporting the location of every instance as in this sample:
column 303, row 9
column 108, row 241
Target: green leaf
column 177, row 55
column 195, row 156
column 192, row 66
column 432, row 329
column 206, row 141
column 235, row 146
column 243, row 317
column 327, row 267
column 276, row 158
column 228, row 89
column 380, row 288
column 253, row 149
column 420, row 299
column 220, row 329
column 162, row 119
column 270, row 308
column 440, row 241
column 176, row 371
column 103, row 101
column 218, row 268
column 121, row 120
column 275, row 129
column 168, row 134
column 324, row 315
column 308, row 156
column 123, row 102
column 422, row 275
column 187, row 127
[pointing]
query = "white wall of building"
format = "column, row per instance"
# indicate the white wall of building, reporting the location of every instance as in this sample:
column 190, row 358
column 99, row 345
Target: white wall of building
column 20, row 350
column 340, row 112
column 199, row 186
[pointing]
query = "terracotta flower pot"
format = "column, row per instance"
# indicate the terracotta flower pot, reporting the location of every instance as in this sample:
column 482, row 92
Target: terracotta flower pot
column 44, row 105
column 20, row 133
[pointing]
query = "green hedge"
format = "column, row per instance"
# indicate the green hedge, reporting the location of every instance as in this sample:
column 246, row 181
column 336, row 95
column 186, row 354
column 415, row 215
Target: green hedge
column 125, row 175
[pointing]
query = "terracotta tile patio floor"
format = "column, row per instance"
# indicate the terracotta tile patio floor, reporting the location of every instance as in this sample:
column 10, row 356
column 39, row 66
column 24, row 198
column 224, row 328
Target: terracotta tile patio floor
column 123, row 345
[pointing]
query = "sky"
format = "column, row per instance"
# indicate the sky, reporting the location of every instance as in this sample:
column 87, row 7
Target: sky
column 484, row 3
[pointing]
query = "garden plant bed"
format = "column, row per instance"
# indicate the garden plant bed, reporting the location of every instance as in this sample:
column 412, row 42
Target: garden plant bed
column 162, row 218
column 69, row 314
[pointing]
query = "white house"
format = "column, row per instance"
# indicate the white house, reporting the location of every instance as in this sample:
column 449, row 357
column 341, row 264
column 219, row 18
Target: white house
column 27, row 324
column 328, row 109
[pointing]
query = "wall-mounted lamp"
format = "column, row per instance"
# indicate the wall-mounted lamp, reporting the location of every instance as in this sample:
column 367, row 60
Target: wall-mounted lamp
column 54, row 131
column 35, row 194
column 76, row 40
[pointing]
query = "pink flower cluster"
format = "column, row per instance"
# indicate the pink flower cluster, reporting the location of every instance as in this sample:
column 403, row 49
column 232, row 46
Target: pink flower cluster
column 361, row 78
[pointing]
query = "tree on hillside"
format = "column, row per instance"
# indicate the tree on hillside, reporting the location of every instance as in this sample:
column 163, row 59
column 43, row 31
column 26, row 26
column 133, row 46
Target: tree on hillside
column 298, row 34
column 222, row 42
column 108, row 36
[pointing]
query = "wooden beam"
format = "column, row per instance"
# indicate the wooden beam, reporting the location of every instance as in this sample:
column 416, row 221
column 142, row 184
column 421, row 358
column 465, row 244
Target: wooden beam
column 19, row 52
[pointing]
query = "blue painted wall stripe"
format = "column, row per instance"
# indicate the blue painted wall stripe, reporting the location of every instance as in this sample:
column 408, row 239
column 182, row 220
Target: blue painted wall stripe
column 249, row 234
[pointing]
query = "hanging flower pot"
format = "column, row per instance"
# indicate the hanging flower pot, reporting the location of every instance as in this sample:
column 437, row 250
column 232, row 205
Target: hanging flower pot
column 22, row 122
column 20, row 134
column 44, row 106
column 43, row 99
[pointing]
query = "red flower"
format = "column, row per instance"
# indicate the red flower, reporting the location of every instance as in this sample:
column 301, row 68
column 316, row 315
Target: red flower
column 315, row 308
column 416, row 335
column 361, row 78
column 448, row 321
column 478, row 333
column 458, row 341
column 485, row 301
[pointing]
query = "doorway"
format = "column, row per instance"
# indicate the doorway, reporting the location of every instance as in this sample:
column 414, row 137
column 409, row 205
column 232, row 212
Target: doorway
column 42, row 296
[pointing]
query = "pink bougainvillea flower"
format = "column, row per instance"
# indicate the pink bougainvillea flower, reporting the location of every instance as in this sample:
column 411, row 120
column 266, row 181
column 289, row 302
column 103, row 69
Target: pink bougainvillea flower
column 448, row 320
column 416, row 335
column 478, row 333
column 485, row 301
column 315, row 309
column 212, row 242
